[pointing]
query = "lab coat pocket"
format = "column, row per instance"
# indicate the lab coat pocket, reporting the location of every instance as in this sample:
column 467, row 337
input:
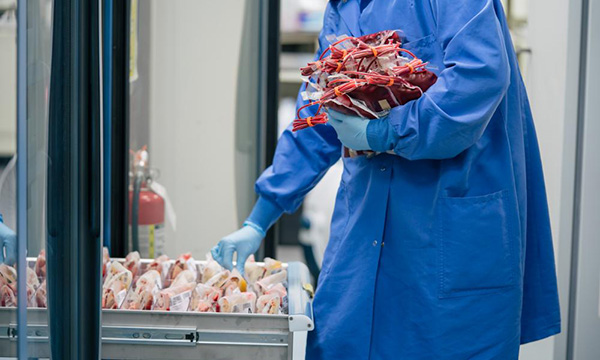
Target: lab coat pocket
column 476, row 245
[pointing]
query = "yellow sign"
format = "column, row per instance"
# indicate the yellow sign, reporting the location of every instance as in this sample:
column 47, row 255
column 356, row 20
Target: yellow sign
column 151, row 242
column 133, row 42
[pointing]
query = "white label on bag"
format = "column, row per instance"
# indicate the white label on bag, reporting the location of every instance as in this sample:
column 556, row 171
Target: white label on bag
column 165, row 268
column 385, row 105
column 243, row 308
column 180, row 302
column 191, row 264
column 154, row 299
column 120, row 297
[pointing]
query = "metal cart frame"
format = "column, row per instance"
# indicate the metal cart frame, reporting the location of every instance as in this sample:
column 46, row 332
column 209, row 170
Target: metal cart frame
column 135, row 334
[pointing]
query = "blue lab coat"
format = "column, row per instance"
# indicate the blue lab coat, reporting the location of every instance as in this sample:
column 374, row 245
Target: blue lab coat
column 443, row 250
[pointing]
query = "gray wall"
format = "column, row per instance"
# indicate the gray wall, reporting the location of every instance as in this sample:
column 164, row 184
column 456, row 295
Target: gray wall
column 201, row 114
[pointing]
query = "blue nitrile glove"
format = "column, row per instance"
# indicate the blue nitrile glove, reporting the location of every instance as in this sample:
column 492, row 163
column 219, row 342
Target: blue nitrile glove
column 244, row 242
column 351, row 130
column 8, row 244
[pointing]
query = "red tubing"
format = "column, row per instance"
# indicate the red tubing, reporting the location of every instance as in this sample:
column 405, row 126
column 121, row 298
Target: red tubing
column 365, row 50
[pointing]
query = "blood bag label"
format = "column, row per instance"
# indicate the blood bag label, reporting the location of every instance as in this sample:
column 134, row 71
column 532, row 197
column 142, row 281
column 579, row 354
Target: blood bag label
column 180, row 302
column 192, row 266
column 165, row 269
column 243, row 308
column 120, row 297
column 385, row 105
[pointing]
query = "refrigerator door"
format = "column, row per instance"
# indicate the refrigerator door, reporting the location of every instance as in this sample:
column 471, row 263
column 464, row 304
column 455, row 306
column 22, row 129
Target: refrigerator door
column 584, row 316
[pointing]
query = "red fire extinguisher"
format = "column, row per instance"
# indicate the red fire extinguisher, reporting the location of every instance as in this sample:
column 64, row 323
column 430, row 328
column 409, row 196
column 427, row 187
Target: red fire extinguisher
column 146, row 210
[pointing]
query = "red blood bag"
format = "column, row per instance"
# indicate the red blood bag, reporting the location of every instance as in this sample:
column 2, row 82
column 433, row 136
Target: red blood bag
column 364, row 76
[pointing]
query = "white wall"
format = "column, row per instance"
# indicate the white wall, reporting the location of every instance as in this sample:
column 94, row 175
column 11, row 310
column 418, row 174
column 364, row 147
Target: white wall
column 194, row 54
column 545, row 80
column 8, row 88
column 550, row 92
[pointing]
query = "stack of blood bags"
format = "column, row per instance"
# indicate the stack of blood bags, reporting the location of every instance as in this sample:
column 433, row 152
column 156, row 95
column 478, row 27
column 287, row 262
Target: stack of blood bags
column 364, row 76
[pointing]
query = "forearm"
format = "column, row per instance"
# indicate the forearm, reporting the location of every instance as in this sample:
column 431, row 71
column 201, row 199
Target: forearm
column 453, row 114
column 264, row 214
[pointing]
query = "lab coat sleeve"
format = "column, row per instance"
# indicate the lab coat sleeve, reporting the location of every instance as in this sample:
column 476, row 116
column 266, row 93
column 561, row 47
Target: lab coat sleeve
column 301, row 159
column 453, row 114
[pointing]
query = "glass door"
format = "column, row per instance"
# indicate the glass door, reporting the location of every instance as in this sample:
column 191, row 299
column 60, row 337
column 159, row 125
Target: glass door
column 50, row 187
column 25, row 67
column 129, row 98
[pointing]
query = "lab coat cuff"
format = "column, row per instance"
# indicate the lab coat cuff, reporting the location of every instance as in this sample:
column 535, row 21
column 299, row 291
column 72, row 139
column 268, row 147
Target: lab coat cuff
column 264, row 214
column 256, row 227
column 539, row 333
column 380, row 135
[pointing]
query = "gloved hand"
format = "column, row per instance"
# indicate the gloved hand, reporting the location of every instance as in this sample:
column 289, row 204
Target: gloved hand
column 351, row 130
column 244, row 242
column 8, row 245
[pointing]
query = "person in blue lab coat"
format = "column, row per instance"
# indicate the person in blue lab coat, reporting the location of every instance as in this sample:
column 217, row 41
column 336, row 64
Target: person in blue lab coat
column 443, row 249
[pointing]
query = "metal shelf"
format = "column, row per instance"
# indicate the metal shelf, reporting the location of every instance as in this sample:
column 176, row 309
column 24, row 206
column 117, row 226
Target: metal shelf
column 290, row 76
column 300, row 37
column 290, row 64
